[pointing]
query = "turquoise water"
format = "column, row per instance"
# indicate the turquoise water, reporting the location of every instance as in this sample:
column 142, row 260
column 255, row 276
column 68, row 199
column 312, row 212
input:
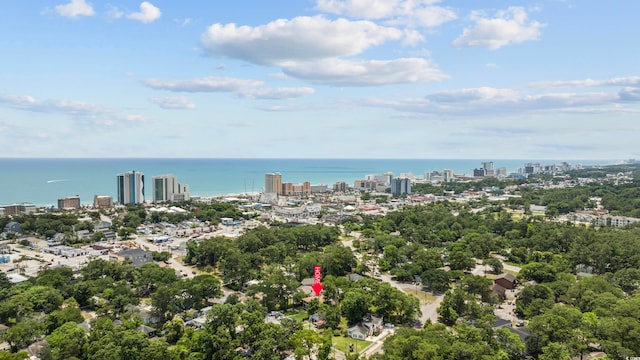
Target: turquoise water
column 43, row 181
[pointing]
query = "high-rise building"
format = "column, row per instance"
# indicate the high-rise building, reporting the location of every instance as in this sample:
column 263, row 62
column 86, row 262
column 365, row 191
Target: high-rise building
column 341, row 187
column 71, row 202
column 102, row 201
column 488, row 168
column 448, row 175
column 130, row 188
column 400, row 186
column 273, row 183
column 166, row 188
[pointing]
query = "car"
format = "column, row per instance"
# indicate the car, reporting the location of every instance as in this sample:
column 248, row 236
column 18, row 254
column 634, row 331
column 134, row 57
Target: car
column 193, row 272
column 520, row 323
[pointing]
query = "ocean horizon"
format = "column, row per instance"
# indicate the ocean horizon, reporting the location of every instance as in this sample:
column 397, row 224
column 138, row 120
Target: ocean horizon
column 42, row 181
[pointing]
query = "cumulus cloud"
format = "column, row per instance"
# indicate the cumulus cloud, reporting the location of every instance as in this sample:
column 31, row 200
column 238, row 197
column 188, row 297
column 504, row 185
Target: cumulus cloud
column 365, row 72
column 173, row 102
column 406, row 12
column 74, row 9
column 509, row 26
column 299, row 39
column 277, row 93
column 148, row 13
column 205, row 84
column 75, row 109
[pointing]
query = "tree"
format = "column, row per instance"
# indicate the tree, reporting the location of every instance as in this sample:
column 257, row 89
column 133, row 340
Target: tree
column 495, row 265
column 511, row 343
column 337, row 260
column 461, row 260
column 200, row 288
column 68, row 341
column 23, row 333
column 163, row 301
column 355, row 305
column 555, row 351
column 173, row 330
column 305, row 342
column 436, row 279
column 534, row 300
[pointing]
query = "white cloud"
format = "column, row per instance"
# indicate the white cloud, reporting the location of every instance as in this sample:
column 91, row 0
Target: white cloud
column 277, row 93
column 148, row 13
column 113, row 12
column 365, row 72
column 487, row 101
column 299, row 39
column 509, row 26
column 473, row 94
column 405, row 12
column 74, row 9
column 621, row 81
column 205, row 84
column 78, row 110
column 173, row 102
column 629, row 94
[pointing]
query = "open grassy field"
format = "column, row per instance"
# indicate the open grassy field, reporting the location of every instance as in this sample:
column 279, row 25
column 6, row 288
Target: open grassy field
column 342, row 343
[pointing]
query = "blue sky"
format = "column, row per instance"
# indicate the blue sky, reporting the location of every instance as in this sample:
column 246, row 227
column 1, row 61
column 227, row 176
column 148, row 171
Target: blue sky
column 554, row 79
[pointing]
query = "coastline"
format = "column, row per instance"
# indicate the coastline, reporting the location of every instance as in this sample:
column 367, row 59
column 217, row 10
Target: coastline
column 41, row 181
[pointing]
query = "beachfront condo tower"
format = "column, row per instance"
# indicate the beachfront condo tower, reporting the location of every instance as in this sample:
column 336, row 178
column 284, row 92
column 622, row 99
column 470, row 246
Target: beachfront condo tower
column 130, row 188
column 166, row 188
column 273, row 183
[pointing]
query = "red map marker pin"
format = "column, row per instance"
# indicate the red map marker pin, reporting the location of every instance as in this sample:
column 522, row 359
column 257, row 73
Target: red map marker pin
column 317, row 276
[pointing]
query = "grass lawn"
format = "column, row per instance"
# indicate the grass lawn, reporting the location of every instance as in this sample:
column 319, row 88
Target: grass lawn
column 297, row 315
column 425, row 298
column 342, row 343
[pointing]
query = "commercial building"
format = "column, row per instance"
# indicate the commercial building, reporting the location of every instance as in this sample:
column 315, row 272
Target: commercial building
column 291, row 189
column 381, row 178
column 401, row 186
column 102, row 201
column 273, row 183
column 488, row 169
column 68, row 203
column 17, row 209
column 166, row 188
column 340, row 187
column 130, row 188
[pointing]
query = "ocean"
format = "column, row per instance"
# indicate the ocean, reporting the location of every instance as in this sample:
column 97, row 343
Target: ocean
column 43, row 181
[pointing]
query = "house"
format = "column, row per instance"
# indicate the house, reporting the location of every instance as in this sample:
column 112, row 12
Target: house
column 369, row 326
column 499, row 290
column 373, row 324
column 317, row 320
column 358, row 332
column 13, row 227
column 147, row 330
column 137, row 256
column 507, row 281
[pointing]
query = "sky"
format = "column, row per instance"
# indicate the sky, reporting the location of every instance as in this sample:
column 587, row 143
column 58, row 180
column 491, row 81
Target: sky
column 420, row 79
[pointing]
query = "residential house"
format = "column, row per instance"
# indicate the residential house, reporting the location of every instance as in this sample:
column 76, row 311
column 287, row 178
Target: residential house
column 507, row 281
column 358, row 332
column 499, row 290
column 147, row 330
